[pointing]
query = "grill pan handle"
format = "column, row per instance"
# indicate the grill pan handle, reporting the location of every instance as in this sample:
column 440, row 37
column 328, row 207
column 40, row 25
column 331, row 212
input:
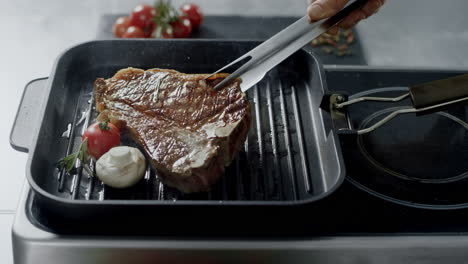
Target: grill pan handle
column 27, row 116
column 426, row 98
column 441, row 94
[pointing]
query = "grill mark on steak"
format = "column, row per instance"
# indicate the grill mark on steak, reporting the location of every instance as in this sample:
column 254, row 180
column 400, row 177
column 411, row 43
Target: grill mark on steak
column 189, row 131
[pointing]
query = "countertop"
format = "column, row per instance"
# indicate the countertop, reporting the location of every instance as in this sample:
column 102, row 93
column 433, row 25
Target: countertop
column 417, row 33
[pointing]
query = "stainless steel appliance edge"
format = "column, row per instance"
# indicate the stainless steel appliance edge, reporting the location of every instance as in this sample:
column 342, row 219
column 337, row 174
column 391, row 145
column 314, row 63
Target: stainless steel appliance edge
column 31, row 243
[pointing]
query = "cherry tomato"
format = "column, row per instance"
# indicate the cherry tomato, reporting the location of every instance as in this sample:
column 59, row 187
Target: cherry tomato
column 193, row 13
column 120, row 26
column 134, row 32
column 167, row 33
column 101, row 138
column 182, row 28
column 149, row 29
column 142, row 17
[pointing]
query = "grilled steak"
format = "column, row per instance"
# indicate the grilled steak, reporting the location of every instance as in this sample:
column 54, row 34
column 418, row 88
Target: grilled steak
column 189, row 131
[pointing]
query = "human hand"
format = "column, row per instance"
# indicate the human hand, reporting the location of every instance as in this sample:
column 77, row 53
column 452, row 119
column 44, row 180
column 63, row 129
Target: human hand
column 320, row 9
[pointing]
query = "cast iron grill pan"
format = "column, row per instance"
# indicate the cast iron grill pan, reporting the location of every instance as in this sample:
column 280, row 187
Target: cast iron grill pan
column 273, row 165
column 291, row 156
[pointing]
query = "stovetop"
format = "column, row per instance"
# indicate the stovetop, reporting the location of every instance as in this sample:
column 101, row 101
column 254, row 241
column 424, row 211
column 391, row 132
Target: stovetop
column 386, row 232
column 351, row 210
column 349, row 225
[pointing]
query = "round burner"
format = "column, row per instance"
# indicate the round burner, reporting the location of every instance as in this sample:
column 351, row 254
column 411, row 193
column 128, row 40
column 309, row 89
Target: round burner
column 419, row 161
column 428, row 148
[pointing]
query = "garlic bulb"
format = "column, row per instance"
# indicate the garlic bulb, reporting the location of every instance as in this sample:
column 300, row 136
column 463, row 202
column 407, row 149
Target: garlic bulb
column 121, row 167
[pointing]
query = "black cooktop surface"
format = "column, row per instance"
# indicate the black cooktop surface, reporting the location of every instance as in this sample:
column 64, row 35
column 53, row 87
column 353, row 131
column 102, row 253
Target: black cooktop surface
column 358, row 207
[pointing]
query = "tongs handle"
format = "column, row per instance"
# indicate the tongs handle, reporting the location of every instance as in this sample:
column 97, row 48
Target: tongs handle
column 441, row 94
column 279, row 47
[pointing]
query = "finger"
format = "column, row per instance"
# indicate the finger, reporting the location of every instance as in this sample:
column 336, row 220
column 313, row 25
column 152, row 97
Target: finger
column 352, row 19
column 370, row 8
column 382, row 2
column 309, row 2
column 333, row 31
column 321, row 9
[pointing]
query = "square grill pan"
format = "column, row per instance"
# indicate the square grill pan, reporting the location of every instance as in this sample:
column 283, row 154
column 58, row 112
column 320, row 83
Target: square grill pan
column 291, row 157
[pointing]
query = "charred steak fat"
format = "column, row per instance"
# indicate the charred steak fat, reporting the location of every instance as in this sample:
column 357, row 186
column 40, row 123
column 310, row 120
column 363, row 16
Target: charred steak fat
column 189, row 131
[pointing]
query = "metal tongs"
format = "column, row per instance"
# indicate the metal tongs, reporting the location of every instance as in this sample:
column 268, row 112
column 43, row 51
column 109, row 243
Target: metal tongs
column 426, row 98
column 279, row 47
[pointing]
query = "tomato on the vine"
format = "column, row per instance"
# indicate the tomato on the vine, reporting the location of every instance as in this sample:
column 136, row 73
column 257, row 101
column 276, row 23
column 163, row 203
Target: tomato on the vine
column 101, row 138
column 182, row 27
column 149, row 29
column 159, row 21
column 142, row 17
column 120, row 26
column 134, row 32
column 166, row 32
column 193, row 13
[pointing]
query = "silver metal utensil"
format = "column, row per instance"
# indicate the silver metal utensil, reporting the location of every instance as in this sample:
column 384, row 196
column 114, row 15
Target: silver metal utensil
column 279, row 47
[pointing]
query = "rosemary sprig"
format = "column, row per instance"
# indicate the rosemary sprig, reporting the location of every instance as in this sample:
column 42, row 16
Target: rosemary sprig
column 68, row 162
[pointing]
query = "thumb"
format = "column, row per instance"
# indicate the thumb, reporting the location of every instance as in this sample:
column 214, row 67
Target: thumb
column 320, row 9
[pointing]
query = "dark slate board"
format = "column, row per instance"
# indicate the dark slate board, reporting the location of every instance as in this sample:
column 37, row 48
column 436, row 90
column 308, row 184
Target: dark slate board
column 247, row 28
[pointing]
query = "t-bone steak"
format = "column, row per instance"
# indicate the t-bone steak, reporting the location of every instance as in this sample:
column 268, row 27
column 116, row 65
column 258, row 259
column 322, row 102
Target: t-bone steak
column 189, row 131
